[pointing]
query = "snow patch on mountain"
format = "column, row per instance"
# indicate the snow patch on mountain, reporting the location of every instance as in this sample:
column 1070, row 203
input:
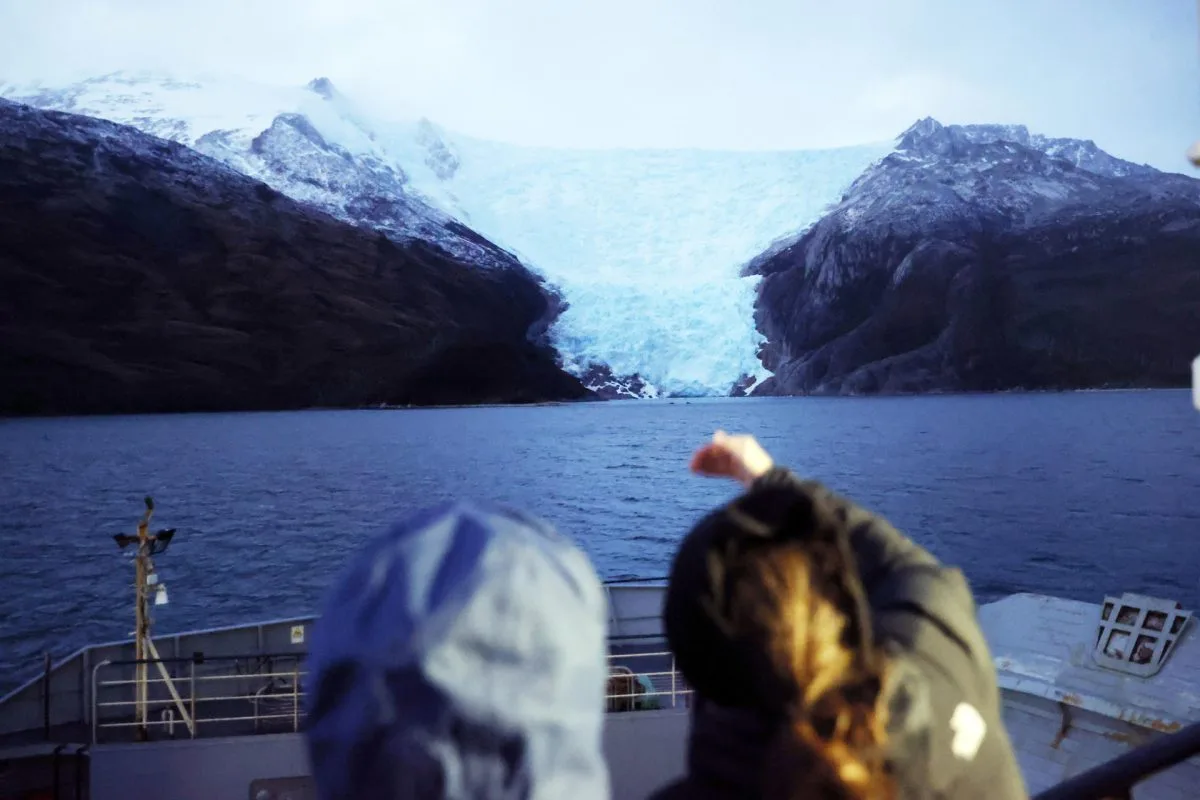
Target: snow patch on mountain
column 309, row 143
column 1081, row 153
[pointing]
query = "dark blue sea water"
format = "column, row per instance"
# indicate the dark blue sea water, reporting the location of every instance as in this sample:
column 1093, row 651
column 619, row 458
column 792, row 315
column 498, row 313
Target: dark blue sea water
column 1070, row 494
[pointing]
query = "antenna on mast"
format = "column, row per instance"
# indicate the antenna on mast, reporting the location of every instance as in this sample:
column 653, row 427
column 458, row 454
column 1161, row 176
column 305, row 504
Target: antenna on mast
column 146, row 580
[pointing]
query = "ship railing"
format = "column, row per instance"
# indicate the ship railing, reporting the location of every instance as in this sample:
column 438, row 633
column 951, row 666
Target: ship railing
column 57, row 699
column 1116, row 779
column 645, row 680
column 264, row 693
column 199, row 696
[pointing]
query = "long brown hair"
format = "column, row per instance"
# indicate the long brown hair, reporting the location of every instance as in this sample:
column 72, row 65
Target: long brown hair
column 832, row 741
column 766, row 610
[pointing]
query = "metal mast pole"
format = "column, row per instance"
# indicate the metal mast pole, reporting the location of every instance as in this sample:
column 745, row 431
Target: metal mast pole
column 148, row 545
column 142, row 619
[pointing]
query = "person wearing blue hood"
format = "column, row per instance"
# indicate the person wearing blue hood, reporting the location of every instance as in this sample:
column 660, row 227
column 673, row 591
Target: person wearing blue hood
column 461, row 655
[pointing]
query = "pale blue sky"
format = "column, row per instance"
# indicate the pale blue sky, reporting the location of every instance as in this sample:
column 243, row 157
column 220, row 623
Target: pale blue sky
column 743, row 74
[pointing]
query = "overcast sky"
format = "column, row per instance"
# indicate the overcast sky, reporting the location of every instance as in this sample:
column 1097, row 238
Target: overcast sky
column 743, row 74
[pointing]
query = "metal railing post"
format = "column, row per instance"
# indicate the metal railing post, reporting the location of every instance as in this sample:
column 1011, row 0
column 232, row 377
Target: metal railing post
column 296, row 696
column 95, row 696
column 192, row 696
column 167, row 715
column 85, row 661
column 673, row 673
column 46, row 697
column 79, row 754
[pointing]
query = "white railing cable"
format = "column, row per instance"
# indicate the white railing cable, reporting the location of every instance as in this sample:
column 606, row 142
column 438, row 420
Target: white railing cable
column 641, row 677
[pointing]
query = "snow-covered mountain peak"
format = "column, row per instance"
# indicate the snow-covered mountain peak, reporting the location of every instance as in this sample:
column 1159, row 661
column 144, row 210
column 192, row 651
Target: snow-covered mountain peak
column 166, row 106
column 942, row 180
column 307, row 142
column 922, row 128
column 930, row 138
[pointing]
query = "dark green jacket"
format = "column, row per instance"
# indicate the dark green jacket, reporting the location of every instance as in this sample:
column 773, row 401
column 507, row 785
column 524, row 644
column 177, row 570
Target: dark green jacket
column 946, row 735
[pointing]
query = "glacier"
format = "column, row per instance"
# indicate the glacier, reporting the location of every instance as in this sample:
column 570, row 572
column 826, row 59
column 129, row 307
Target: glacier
column 647, row 247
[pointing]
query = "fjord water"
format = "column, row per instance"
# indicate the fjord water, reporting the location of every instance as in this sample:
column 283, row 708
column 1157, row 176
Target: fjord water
column 1071, row 494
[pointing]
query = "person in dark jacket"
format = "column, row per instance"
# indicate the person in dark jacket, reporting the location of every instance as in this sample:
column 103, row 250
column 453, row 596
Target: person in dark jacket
column 461, row 655
column 831, row 656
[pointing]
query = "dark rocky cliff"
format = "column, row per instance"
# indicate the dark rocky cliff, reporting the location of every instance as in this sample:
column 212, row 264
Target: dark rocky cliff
column 137, row 275
column 981, row 258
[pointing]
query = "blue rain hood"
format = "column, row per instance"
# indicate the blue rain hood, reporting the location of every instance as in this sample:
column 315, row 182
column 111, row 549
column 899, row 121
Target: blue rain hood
column 461, row 655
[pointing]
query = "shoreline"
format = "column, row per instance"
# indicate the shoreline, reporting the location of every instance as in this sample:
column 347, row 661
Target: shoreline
column 595, row 400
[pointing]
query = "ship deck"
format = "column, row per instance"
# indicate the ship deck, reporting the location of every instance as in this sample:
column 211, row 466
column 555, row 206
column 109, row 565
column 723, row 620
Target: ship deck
column 1067, row 712
column 249, row 679
column 243, row 689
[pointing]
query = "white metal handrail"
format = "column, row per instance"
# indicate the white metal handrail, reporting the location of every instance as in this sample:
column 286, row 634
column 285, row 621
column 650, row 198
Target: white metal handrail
column 201, row 691
column 648, row 680
column 657, row 685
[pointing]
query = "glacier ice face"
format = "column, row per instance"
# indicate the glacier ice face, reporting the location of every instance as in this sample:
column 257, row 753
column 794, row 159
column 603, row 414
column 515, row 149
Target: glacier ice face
column 648, row 245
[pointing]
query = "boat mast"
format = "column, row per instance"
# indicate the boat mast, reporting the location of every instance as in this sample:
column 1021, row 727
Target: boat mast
column 148, row 545
column 142, row 567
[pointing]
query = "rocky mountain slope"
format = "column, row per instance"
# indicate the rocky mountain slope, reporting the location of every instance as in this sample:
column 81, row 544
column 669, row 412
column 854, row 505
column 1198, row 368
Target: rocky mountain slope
column 982, row 258
column 139, row 275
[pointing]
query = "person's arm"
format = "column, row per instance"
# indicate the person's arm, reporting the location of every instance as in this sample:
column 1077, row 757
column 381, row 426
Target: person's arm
column 915, row 600
column 923, row 613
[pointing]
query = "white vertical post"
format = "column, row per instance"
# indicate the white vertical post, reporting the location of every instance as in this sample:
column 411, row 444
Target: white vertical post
column 296, row 696
column 672, row 681
column 1196, row 383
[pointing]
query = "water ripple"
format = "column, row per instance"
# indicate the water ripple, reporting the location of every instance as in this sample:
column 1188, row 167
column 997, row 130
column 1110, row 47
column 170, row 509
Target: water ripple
column 1075, row 494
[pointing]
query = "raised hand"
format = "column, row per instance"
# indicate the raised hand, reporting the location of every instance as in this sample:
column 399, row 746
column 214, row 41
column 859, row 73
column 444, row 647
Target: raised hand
column 737, row 456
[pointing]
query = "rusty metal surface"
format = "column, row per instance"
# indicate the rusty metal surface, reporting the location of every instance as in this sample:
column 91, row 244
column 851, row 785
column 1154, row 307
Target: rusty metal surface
column 1042, row 646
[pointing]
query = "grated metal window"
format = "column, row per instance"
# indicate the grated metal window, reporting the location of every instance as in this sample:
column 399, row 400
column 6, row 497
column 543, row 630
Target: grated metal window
column 1137, row 633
